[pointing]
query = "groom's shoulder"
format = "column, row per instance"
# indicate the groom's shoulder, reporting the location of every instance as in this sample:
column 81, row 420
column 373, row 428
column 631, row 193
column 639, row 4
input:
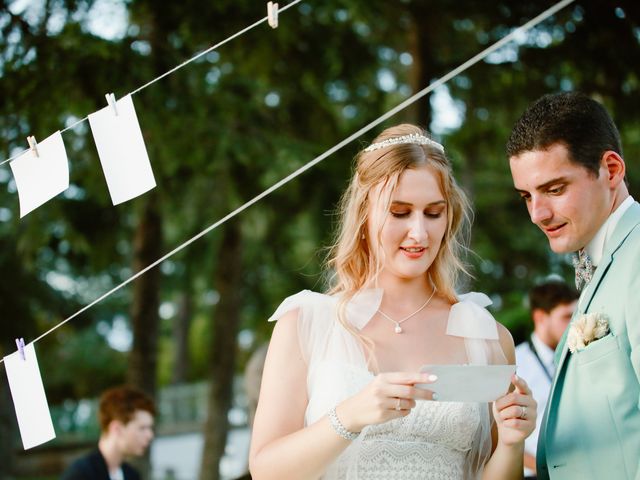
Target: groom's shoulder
column 629, row 248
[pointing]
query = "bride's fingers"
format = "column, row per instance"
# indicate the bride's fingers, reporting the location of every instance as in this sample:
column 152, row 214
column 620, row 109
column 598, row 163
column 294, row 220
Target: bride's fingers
column 408, row 392
column 519, row 412
column 514, row 398
column 520, row 384
column 400, row 404
column 407, row 378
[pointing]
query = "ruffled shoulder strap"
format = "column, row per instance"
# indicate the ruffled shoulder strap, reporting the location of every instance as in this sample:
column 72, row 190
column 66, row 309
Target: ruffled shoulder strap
column 363, row 306
column 315, row 313
column 303, row 299
column 470, row 320
column 317, row 319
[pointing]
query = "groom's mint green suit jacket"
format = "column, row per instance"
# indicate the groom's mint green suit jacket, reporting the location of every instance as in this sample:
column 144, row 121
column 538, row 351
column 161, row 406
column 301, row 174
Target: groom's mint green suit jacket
column 591, row 427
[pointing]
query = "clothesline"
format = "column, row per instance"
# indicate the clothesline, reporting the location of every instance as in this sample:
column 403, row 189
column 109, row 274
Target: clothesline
column 456, row 71
column 178, row 67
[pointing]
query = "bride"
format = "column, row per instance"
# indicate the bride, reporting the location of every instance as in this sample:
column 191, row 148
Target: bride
column 339, row 398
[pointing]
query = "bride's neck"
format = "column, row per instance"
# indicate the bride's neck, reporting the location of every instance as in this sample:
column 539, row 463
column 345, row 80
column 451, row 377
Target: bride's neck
column 401, row 293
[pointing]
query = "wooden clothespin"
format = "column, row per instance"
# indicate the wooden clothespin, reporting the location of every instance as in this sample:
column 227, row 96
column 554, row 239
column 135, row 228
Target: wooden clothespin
column 272, row 14
column 20, row 344
column 33, row 145
column 111, row 100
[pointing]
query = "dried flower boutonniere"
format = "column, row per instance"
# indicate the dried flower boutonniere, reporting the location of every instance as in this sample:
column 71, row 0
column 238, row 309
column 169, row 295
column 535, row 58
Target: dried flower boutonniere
column 585, row 329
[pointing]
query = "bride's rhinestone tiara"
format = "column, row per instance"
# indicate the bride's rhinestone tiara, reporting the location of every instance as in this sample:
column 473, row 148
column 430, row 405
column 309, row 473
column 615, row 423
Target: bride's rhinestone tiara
column 411, row 138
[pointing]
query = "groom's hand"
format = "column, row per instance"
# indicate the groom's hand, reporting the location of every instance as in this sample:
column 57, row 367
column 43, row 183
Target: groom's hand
column 515, row 413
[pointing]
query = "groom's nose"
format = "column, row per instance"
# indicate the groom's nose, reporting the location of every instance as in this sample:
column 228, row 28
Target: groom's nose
column 539, row 210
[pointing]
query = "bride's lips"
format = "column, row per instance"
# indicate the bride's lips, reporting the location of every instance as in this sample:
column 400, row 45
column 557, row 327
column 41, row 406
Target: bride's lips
column 414, row 251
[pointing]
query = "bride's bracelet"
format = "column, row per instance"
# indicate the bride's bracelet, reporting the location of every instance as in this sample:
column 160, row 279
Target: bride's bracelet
column 339, row 428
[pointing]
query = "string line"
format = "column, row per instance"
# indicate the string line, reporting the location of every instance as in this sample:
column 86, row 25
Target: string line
column 178, row 67
column 530, row 24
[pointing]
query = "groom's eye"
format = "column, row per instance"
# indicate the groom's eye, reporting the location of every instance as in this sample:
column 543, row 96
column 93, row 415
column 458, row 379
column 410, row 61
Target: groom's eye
column 525, row 196
column 556, row 190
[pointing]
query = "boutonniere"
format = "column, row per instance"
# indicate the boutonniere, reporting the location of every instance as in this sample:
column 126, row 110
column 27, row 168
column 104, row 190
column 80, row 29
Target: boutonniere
column 587, row 328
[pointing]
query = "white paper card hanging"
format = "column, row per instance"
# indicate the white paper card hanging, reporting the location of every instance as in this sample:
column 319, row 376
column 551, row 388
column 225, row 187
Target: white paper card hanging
column 122, row 151
column 29, row 398
column 42, row 177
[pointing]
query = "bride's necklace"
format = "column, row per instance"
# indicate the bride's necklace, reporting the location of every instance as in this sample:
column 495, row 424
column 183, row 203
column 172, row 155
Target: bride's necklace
column 398, row 328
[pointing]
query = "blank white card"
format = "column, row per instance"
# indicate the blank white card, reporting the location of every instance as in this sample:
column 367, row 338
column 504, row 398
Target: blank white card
column 122, row 151
column 29, row 398
column 41, row 177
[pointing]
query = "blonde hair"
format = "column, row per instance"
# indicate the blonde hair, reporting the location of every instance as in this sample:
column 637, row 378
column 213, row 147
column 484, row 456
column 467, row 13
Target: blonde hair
column 355, row 259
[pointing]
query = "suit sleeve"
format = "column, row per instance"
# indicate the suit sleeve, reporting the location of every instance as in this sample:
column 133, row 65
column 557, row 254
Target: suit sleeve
column 74, row 472
column 632, row 311
column 130, row 473
column 632, row 315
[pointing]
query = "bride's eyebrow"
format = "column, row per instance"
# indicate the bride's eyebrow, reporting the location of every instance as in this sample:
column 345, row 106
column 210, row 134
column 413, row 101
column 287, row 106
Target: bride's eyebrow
column 409, row 204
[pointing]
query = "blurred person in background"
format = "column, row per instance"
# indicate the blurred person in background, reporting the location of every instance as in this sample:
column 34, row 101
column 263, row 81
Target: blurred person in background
column 126, row 417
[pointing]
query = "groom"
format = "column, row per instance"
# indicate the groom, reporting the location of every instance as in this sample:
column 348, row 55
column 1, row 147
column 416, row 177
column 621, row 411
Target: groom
column 566, row 163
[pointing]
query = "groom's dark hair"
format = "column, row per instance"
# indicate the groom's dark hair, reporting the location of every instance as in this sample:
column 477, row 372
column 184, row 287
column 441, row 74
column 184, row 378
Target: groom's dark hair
column 571, row 118
column 550, row 294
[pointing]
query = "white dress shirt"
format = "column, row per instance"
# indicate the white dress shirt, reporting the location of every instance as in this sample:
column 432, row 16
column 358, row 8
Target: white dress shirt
column 117, row 474
column 538, row 371
column 595, row 248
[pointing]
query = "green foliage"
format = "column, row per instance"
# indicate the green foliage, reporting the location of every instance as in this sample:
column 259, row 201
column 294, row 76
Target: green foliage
column 226, row 127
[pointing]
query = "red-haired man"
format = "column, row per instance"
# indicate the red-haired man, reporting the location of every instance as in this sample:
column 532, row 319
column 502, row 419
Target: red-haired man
column 126, row 422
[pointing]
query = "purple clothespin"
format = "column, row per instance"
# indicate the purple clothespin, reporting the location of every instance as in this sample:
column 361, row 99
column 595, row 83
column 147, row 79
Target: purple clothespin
column 20, row 344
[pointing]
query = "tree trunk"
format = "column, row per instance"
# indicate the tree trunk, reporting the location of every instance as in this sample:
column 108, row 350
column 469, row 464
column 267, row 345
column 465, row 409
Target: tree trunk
column 144, row 306
column 422, row 69
column 181, row 326
column 222, row 351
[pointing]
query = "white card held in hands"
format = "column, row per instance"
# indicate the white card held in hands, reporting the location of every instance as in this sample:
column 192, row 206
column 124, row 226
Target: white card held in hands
column 469, row 383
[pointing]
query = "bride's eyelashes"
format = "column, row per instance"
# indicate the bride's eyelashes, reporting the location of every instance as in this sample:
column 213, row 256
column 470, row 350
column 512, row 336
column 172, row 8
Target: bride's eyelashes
column 426, row 214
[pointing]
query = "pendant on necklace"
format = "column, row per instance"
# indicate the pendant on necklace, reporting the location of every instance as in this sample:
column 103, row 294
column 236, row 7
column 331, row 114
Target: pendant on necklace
column 398, row 328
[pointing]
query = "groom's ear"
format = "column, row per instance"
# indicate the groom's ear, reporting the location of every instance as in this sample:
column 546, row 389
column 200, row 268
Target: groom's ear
column 615, row 167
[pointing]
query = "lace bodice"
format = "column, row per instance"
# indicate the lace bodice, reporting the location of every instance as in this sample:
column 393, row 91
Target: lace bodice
column 431, row 443
column 437, row 440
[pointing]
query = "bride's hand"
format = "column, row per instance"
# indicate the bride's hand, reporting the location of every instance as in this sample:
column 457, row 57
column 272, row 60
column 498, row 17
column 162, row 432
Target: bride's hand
column 387, row 396
column 515, row 413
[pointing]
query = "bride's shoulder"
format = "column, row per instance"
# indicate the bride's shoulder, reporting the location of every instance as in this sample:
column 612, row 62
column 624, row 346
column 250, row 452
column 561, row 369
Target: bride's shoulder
column 305, row 301
column 470, row 317
column 304, row 317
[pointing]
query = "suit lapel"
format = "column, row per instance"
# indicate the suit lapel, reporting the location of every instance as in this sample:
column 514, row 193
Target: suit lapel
column 627, row 223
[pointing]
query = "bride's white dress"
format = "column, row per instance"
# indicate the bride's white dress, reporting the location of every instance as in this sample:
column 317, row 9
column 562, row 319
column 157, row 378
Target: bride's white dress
column 437, row 440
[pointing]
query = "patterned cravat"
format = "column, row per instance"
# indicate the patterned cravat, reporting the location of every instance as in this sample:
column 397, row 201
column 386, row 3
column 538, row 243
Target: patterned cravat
column 584, row 268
